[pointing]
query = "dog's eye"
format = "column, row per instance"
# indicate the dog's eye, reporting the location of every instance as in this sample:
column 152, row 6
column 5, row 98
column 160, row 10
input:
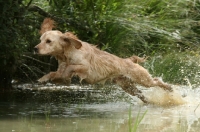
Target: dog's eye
column 48, row 41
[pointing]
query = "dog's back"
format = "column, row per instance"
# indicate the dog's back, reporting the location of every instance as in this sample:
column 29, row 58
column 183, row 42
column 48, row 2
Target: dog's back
column 101, row 65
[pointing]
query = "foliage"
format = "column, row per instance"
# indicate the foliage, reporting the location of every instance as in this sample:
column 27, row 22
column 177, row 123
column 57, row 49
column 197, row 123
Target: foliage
column 9, row 40
column 178, row 68
column 18, row 27
column 161, row 26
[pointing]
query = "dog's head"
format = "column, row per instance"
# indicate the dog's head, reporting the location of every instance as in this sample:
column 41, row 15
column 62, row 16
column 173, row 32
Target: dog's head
column 55, row 42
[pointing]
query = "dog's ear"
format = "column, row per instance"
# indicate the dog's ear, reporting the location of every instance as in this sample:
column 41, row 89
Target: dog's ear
column 47, row 25
column 68, row 40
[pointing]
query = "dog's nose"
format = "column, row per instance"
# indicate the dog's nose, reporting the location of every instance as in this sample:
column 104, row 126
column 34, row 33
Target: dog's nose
column 35, row 50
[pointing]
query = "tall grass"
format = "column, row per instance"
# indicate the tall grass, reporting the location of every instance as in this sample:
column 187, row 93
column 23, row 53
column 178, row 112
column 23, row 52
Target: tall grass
column 125, row 27
column 177, row 68
column 133, row 127
column 156, row 26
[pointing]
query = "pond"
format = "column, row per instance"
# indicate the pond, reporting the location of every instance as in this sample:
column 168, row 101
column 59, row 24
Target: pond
column 75, row 108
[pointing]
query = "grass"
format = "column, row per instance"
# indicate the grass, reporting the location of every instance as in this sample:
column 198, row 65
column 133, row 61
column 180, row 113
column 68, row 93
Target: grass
column 47, row 115
column 157, row 26
column 134, row 126
column 177, row 68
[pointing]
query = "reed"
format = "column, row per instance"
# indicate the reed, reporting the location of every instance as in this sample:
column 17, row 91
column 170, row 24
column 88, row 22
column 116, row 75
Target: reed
column 177, row 68
column 133, row 127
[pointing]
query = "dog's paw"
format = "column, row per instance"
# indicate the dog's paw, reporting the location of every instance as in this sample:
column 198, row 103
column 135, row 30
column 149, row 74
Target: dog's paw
column 43, row 79
column 169, row 88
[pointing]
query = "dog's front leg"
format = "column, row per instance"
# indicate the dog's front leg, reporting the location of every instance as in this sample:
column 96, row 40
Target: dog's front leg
column 47, row 77
column 58, row 78
column 53, row 76
column 79, row 70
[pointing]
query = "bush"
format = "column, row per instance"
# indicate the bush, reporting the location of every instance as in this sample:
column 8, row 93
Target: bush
column 178, row 68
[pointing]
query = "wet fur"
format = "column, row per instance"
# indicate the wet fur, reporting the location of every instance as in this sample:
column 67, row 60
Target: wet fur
column 79, row 58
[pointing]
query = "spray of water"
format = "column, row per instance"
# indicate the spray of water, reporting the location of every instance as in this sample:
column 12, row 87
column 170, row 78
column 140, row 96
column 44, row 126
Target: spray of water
column 181, row 95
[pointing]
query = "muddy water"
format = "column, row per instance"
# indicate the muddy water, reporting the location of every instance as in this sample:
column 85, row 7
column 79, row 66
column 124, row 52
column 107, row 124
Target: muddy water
column 96, row 109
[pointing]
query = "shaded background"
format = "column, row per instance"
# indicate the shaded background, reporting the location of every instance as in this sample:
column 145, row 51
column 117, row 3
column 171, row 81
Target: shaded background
column 167, row 31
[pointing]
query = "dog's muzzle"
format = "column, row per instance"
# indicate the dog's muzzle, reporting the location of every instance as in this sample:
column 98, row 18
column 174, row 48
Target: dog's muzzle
column 35, row 50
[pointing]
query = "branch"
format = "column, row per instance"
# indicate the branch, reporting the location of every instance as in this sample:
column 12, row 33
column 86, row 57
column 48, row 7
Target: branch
column 37, row 60
column 29, row 3
column 35, row 8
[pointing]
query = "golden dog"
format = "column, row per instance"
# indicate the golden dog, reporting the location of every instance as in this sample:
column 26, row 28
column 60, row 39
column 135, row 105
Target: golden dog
column 86, row 61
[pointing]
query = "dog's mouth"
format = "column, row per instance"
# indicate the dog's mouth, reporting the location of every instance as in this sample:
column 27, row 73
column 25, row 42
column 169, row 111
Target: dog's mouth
column 36, row 50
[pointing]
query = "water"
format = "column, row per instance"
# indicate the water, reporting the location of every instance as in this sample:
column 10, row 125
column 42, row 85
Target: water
column 95, row 109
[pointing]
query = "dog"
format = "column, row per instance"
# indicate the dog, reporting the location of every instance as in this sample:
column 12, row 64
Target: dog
column 47, row 25
column 79, row 58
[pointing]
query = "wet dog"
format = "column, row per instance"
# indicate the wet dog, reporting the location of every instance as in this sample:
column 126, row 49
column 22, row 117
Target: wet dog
column 79, row 58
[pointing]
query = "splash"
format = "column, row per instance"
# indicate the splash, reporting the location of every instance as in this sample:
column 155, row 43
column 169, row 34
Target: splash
column 161, row 97
column 181, row 95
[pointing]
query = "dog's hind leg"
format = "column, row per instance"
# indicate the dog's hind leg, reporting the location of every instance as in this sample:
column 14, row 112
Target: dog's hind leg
column 128, row 86
column 160, row 83
column 153, row 82
column 141, row 76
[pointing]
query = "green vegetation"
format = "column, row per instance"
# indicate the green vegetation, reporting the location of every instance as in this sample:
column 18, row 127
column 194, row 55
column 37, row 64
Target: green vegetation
column 181, row 68
column 154, row 28
column 134, row 126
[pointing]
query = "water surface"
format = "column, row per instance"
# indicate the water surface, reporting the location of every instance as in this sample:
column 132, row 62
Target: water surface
column 94, row 109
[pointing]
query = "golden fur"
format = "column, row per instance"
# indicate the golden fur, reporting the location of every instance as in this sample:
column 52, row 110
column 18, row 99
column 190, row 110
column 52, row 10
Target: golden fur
column 86, row 61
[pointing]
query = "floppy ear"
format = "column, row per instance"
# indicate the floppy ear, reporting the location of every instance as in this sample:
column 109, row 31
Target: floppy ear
column 47, row 25
column 68, row 40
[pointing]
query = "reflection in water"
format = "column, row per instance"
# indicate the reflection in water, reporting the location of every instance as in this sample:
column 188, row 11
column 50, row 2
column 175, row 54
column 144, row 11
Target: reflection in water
column 89, row 109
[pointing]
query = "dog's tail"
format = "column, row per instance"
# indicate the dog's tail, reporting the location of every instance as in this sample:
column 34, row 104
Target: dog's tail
column 47, row 25
column 137, row 59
